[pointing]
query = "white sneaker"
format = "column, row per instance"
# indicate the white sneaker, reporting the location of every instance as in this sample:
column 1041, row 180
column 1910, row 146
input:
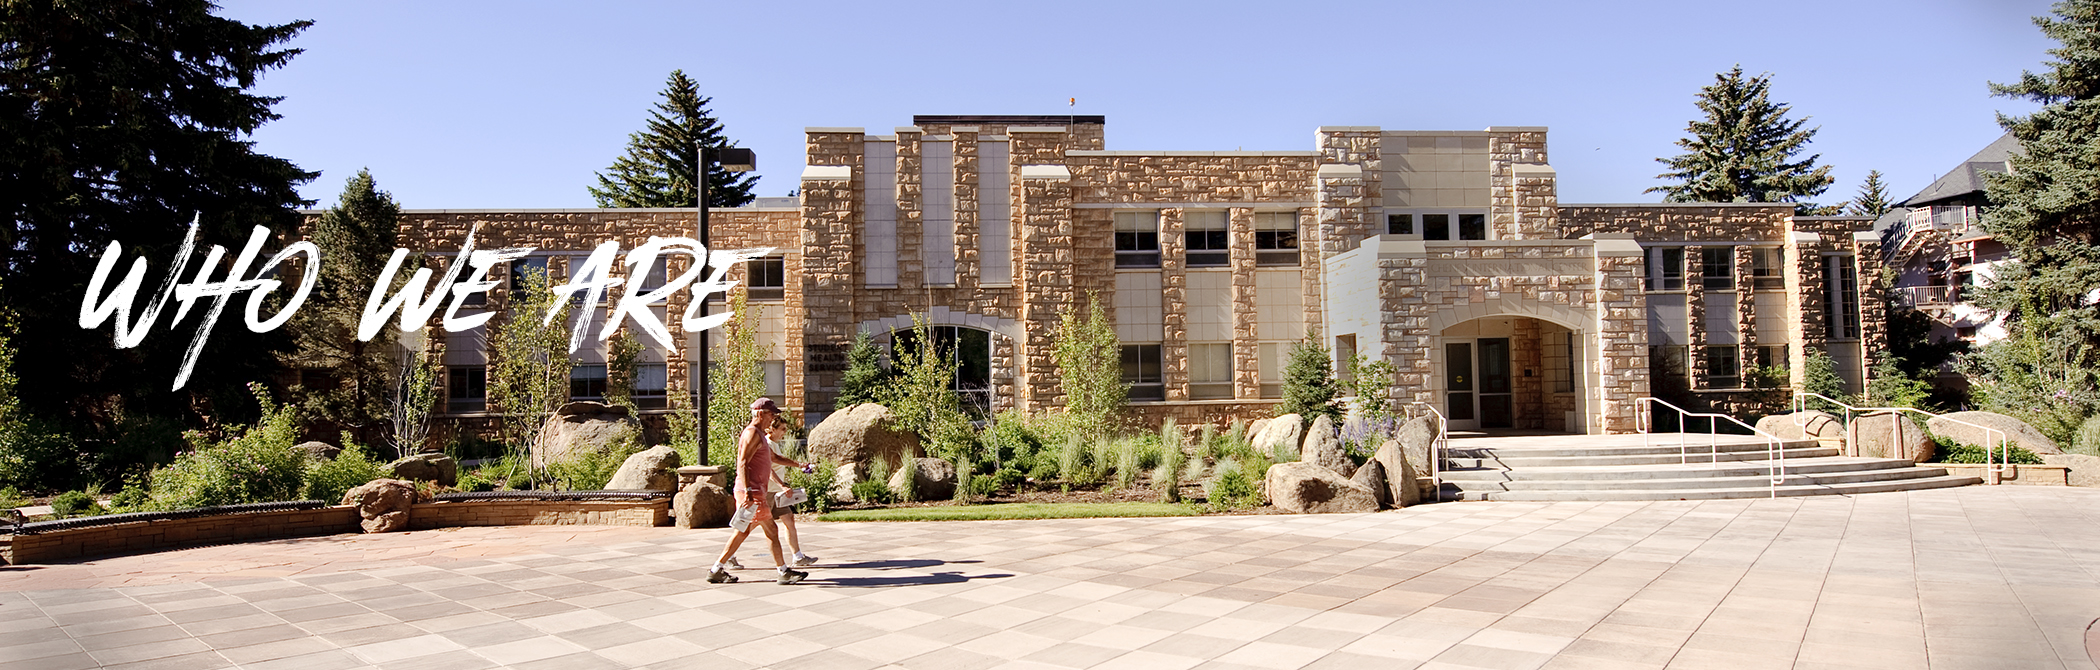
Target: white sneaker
column 804, row 560
column 733, row 564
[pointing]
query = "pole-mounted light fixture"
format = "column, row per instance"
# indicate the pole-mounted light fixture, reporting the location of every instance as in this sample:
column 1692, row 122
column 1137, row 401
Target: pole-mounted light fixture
column 732, row 159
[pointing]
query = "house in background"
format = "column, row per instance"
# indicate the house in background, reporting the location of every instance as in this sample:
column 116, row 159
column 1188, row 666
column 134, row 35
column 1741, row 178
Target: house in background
column 1937, row 244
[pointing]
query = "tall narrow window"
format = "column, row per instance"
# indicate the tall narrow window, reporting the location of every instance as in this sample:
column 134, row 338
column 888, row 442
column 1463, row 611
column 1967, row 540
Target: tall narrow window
column 1559, row 360
column 1210, row 371
column 1141, row 372
column 995, row 219
column 1665, row 268
column 1764, row 267
column 1722, row 370
column 466, row 388
column 880, row 197
column 1268, row 360
column 1205, row 233
column 1345, row 357
column 530, row 264
column 586, row 382
column 937, row 202
column 1137, row 239
column 1276, row 238
column 1717, row 268
column 1841, row 308
column 1772, row 356
column 650, row 382
column 766, row 278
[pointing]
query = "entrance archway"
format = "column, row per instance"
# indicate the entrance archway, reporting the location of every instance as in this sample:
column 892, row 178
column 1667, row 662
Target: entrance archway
column 1510, row 373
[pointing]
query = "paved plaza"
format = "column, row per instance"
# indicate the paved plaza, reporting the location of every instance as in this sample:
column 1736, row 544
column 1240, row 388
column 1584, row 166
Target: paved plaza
column 1973, row 577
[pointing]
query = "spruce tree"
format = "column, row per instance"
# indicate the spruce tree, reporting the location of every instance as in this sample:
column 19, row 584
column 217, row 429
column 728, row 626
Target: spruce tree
column 347, row 381
column 123, row 122
column 657, row 170
column 865, row 378
column 1308, row 382
column 2047, row 212
column 1741, row 150
column 1873, row 198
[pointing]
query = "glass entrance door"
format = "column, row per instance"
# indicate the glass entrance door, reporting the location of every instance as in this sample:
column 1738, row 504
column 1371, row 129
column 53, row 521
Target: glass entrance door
column 1482, row 400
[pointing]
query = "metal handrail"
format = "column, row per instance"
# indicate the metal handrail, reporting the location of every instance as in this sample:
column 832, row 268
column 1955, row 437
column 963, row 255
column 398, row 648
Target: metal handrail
column 1437, row 446
column 1775, row 451
column 1996, row 469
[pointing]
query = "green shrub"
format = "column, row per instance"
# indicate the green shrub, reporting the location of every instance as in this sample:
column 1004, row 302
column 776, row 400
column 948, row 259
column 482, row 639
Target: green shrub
column 819, row 485
column 74, row 503
column 11, row 498
column 328, row 480
column 1075, row 462
column 590, row 470
column 257, row 465
column 1006, row 479
column 874, row 485
column 1167, row 475
column 1233, row 487
column 2087, row 439
column 1968, row 453
column 131, row 498
column 1010, row 442
column 477, row 480
column 36, row 456
column 983, row 485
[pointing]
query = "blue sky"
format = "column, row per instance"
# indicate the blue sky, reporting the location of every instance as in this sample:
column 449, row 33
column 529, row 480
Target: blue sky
column 517, row 104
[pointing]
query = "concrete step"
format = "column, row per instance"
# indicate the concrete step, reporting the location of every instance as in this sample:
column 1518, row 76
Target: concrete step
column 1672, row 449
column 1515, row 461
column 1791, row 478
column 1675, row 471
column 1917, row 484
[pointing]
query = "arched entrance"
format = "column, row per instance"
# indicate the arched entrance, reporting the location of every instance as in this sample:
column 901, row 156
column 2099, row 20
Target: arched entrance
column 1510, row 373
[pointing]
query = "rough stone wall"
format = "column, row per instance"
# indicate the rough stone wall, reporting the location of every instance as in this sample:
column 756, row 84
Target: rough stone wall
column 1047, row 286
column 1621, row 365
column 1527, row 381
column 1678, row 223
column 1506, row 149
column 1246, row 373
column 965, row 190
column 1344, row 218
column 831, row 270
column 1695, row 310
column 1123, row 178
column 1873, row 307
column 1193, row 416
column 1174, row 314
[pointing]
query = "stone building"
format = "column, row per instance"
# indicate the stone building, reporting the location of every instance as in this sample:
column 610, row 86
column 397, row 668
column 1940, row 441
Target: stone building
column 1447, row 253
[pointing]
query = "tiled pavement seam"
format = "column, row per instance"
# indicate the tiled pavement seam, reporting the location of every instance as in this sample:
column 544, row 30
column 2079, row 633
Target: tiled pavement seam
column 1469, row 585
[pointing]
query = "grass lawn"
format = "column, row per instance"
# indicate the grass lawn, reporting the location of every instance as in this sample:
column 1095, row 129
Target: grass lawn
column 1013, row 511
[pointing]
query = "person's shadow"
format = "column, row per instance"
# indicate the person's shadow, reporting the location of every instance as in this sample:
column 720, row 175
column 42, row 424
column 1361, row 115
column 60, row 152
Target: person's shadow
column 943, row 577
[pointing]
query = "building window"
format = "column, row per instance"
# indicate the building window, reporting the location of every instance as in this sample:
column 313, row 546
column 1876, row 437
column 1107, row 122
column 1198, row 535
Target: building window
column 518, row 269
column 1141, row 372
column 1436, row 226
column 1717, row 268
column 1399, row 224
column 1665, row 266
column 1275, row 238
column 1668, row 374
column 1841, row 288
column 1772, row 357
column 766, row 278
column 968, row 349
column 1344, row 357
column 776, row 379
column 658, row 273
column 1560, row 359
column 651, row 383
column 466, row 388
column 1722, row 370
column 466, row 274
column 1472, row 227
column 586, row 382
column 1965, row 332
column 1764, row 267
column 1268, row 360
column 1137, row 239
column 1205, row 233
column 1210, row 371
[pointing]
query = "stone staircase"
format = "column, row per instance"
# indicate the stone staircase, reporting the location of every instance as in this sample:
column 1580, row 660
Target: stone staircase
column 1627, row 467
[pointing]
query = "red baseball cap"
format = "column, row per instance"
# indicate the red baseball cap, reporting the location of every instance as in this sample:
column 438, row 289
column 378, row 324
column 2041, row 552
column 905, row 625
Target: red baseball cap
column 765, row 404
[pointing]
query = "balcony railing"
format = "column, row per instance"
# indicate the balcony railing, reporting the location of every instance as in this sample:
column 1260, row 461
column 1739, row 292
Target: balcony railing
column 1921, row 297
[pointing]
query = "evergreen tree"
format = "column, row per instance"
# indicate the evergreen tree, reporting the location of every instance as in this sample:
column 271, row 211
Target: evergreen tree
column 865, row 378
column 1308, row 382
column 123, row 122
column 1873, row 198
column 348, row 382
column 2048, row 213
column 657, row 170
column 1740, row 151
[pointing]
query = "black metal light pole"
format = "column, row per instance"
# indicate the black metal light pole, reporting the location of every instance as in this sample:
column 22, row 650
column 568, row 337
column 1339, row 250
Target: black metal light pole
column 734, row 160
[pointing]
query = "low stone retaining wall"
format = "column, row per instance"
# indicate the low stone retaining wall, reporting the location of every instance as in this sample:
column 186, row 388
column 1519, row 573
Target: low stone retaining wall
column 159, row 534
column 425, row 516
column 162, row 534
column 2019, row 474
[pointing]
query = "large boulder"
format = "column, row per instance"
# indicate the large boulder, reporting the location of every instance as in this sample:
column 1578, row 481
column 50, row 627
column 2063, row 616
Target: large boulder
column 1307, row 488
column 1416, row 436
column 653, row 469
column 1323, row 445
column 317, row 450
column 427, row 467
column 2013, row 430
column 1395, row 465
column 1808, row 425
column 1889, row 435
column 862, row 434
column 842, row 482
column 1253, row 428
column 2080, row 469
column 1371, row 475
column 925, row 479
column 383, row 505
column 702, row 504
column 583, row 427
column 1287, row 430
